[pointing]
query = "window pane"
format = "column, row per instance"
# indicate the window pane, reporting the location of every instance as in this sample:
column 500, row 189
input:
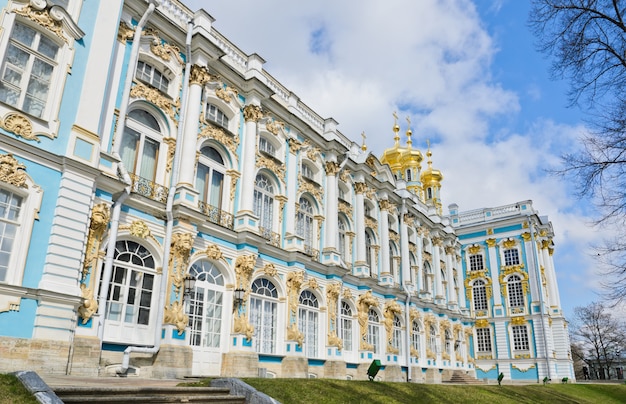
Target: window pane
column 149, row 159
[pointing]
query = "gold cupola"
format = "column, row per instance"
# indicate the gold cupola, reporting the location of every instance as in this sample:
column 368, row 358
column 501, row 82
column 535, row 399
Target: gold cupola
column 393, row 156
column 431, row 183
column 411, row 162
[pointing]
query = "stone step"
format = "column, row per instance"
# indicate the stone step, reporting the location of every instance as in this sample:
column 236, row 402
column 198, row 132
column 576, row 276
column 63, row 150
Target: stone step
column 124, row 395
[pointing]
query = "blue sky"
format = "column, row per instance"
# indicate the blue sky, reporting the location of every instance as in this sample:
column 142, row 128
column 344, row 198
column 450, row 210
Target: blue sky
column 467, row 74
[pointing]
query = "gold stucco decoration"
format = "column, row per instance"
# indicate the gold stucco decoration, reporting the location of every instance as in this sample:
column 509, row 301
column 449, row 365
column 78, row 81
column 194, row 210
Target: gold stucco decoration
column 157, row 98
column 226, row 93
column 392, row 309
column 294, row 282
column 475, row 249
column 140, row 229
column 306, row 186
column 345, row 208
column 165, row 51
column 171, row 148
column 180, row 249
column 12, row 172
column 332, row 168
column 275, row 166
column 519, row 320
column 270, row 270
column 252, row 113
column 482, row 323
column 19, row 125
column 213, row 252
column 332, row 296
column 213, row 132
column 364, row 302
column 175, row 314
column 43, row 18
column 125, row 32
column 200, row 75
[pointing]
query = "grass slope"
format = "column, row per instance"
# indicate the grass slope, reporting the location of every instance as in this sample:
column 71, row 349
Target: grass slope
column 325, row 391
column 13, row 392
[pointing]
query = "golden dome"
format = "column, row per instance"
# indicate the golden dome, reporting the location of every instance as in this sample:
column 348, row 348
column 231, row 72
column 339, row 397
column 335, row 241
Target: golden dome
column 411, row 158
column 431, row 176
column 393, row 156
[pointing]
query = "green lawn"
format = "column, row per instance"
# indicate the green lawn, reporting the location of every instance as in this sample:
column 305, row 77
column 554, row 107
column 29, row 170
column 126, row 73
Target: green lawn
column 324, row 391
column 13, row 392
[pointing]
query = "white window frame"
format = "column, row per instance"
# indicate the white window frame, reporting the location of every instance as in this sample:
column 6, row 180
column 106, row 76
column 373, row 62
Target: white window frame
column 476, row 262
column 479, row 296
column 373, row 330
column 416, row 337
column 520, row 338
column 57, row 81
column 204, row 331
column 515, row 292
column 32, row 196
column 146, row 132
column 347, row 326
column 264, row 198
column 268, row 327
column 305, row 222
column 308, row 322
column 483, row 340
column 511, row 256
column 212, row 166
column 152, row 75
column 214, row 114
column 396, row 334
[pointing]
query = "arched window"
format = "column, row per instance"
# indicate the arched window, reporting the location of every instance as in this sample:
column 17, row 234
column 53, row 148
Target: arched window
column 263, row 315
column 152, row 76
column 416, row 337
column 346, row 326
column 130, row 297
column 140, row 144
column 28, row 70
column 479, row 294
column 432, row 339
column 210, row 176
column 308, row 314
column 427, row 274
column 206, row 305
column 304, row 222
column 264, row 201
column 515, row 291
column 341, row 238
column 373, row 330
column 448, row 342
column 396, row 336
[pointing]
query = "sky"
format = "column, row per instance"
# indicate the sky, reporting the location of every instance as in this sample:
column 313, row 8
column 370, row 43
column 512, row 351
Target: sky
column 466, row 73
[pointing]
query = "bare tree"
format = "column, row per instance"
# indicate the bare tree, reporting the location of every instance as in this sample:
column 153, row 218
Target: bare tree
column 598, row 337
column 586, row 40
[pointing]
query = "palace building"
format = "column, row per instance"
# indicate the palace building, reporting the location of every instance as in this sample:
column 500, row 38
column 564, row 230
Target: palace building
column 168, row 208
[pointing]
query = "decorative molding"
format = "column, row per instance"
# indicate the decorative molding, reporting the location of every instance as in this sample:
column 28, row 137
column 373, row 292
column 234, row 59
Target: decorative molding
column 252, row 113
column 200, row 75
column 220, row 135
column 364, row 302
column 125, row 32
column 164, row 50
column 156, row 97
column 271, row 164
column 12, row 172
column 20, row 125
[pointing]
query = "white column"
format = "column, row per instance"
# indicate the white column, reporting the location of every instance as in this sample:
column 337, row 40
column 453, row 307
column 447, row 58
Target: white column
column 404, row 251
column 331, row 231
column 548, row 263
column 495, row 272
column 198, row 78
column 419, row 282
column 384, row 238
column 450, row 254
column 251, row 113
column 360, row 223
column 437, row 268
column 459, row 280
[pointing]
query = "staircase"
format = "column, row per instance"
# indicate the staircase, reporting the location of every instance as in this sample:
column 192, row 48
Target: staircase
column 146, row 394
column 460, row 377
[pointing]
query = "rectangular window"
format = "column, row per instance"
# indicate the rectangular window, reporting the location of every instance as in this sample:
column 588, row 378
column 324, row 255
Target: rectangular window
column 266, row 147
column 520, row 338
column 483, row 339
column 10, row 205
column 511, row 257
column 152, row 76
column 476, row 262
column 27, row 71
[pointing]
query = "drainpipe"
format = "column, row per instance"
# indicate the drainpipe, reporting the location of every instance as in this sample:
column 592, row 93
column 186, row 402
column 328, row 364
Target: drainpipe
column 541, row 302
column 118, row 199
column 169, row 217
column 407, row 317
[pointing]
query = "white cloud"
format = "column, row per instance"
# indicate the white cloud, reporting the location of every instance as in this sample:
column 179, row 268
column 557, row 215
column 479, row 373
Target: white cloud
column 431, row 59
